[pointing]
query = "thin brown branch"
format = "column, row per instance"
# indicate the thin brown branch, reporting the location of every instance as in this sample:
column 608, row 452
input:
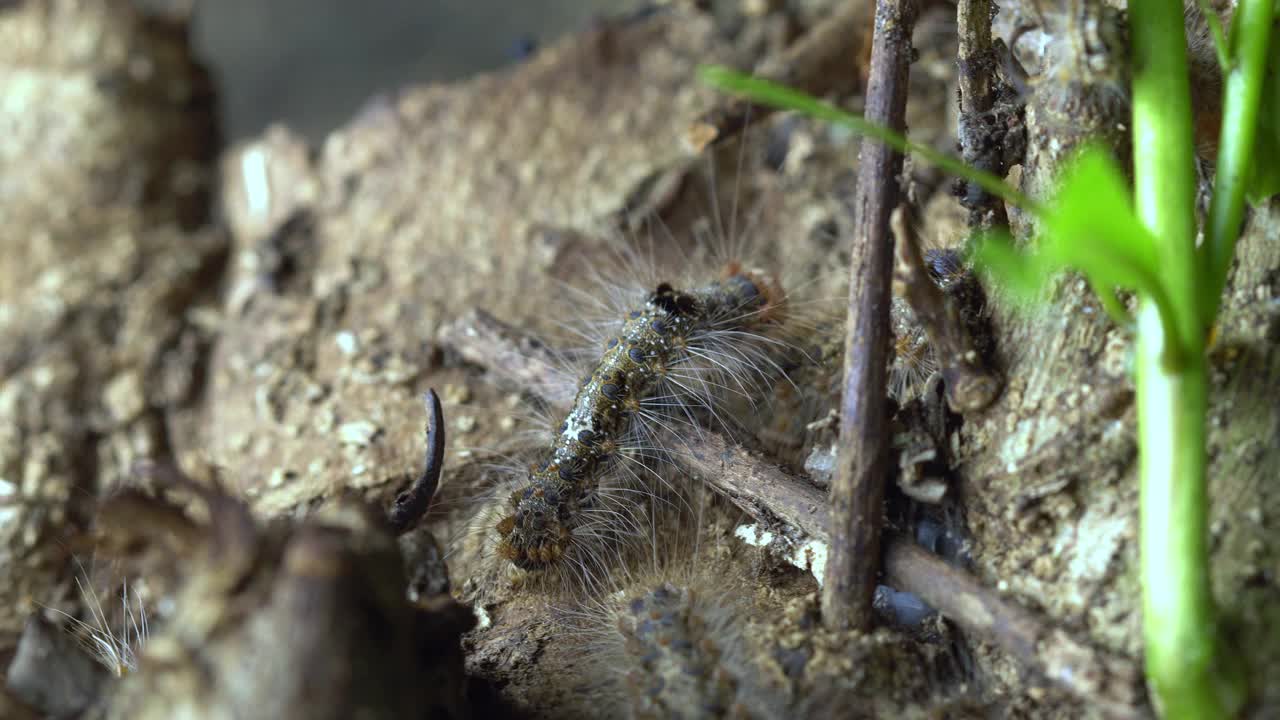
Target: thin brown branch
column 766, row 493
column 795, row 508
column 818, row 64
column 1112, row 683
column 487, row 341
column 857, row 491
column 971, row 386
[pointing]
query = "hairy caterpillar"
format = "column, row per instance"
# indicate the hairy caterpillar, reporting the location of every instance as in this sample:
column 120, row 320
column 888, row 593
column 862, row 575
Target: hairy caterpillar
column 680, row 346
column 692, row 635
column 672, row 630
column 671, row 353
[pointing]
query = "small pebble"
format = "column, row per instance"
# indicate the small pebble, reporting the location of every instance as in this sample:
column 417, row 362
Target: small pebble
column 124, row 397
column 359, row 432
column 453, row 394
column 279, row 476
column 347, row 342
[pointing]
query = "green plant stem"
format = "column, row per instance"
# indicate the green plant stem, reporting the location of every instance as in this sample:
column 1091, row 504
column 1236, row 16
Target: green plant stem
column 1245, row 77
column 1183, row 661
column 1163, row 156
column 1185, row 667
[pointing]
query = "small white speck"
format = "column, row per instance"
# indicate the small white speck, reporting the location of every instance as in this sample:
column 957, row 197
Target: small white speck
column 257, row 186
column 347, row 342
column 279, row 476
column 360, row 432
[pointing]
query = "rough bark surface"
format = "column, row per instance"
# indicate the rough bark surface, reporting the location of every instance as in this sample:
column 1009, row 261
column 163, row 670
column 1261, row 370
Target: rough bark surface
column 108, row 142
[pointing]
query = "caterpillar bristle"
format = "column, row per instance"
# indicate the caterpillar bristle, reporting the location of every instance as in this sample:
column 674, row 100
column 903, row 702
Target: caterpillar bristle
column 911, row 365
column 116, row 639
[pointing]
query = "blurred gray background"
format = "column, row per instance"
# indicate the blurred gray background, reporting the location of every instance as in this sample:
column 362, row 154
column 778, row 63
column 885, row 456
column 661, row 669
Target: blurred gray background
column 312, row 63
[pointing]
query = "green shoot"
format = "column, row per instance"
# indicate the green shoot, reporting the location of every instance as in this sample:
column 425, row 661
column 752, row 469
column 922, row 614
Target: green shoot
column 1249, row 150
column 1090, row 226
column 1265, row 180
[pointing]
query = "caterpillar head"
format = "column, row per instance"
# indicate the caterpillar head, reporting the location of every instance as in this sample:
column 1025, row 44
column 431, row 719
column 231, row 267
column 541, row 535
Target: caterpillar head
column 536, row 534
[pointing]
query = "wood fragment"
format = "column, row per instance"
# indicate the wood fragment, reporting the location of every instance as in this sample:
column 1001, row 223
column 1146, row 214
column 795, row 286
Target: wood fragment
column 762, row 490
column 971, row 385
column 857, row 490
column 780, row 501
column 823, row 62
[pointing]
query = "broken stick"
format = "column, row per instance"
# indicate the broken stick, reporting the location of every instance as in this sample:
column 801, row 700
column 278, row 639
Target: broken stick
column 857, row 490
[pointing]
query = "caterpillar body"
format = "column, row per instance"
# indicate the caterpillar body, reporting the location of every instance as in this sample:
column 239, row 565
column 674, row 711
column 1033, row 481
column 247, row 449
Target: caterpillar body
column 678, row 350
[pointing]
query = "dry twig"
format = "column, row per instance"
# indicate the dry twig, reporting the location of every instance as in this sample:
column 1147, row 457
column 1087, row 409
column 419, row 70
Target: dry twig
column 1110, row 682
column 857, row 490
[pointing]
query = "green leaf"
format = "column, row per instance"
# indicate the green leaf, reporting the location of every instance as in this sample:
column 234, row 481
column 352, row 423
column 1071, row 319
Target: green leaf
column 1090, row 226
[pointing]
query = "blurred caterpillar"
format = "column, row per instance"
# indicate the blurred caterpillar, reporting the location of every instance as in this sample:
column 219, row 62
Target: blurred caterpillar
column 685, row 660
